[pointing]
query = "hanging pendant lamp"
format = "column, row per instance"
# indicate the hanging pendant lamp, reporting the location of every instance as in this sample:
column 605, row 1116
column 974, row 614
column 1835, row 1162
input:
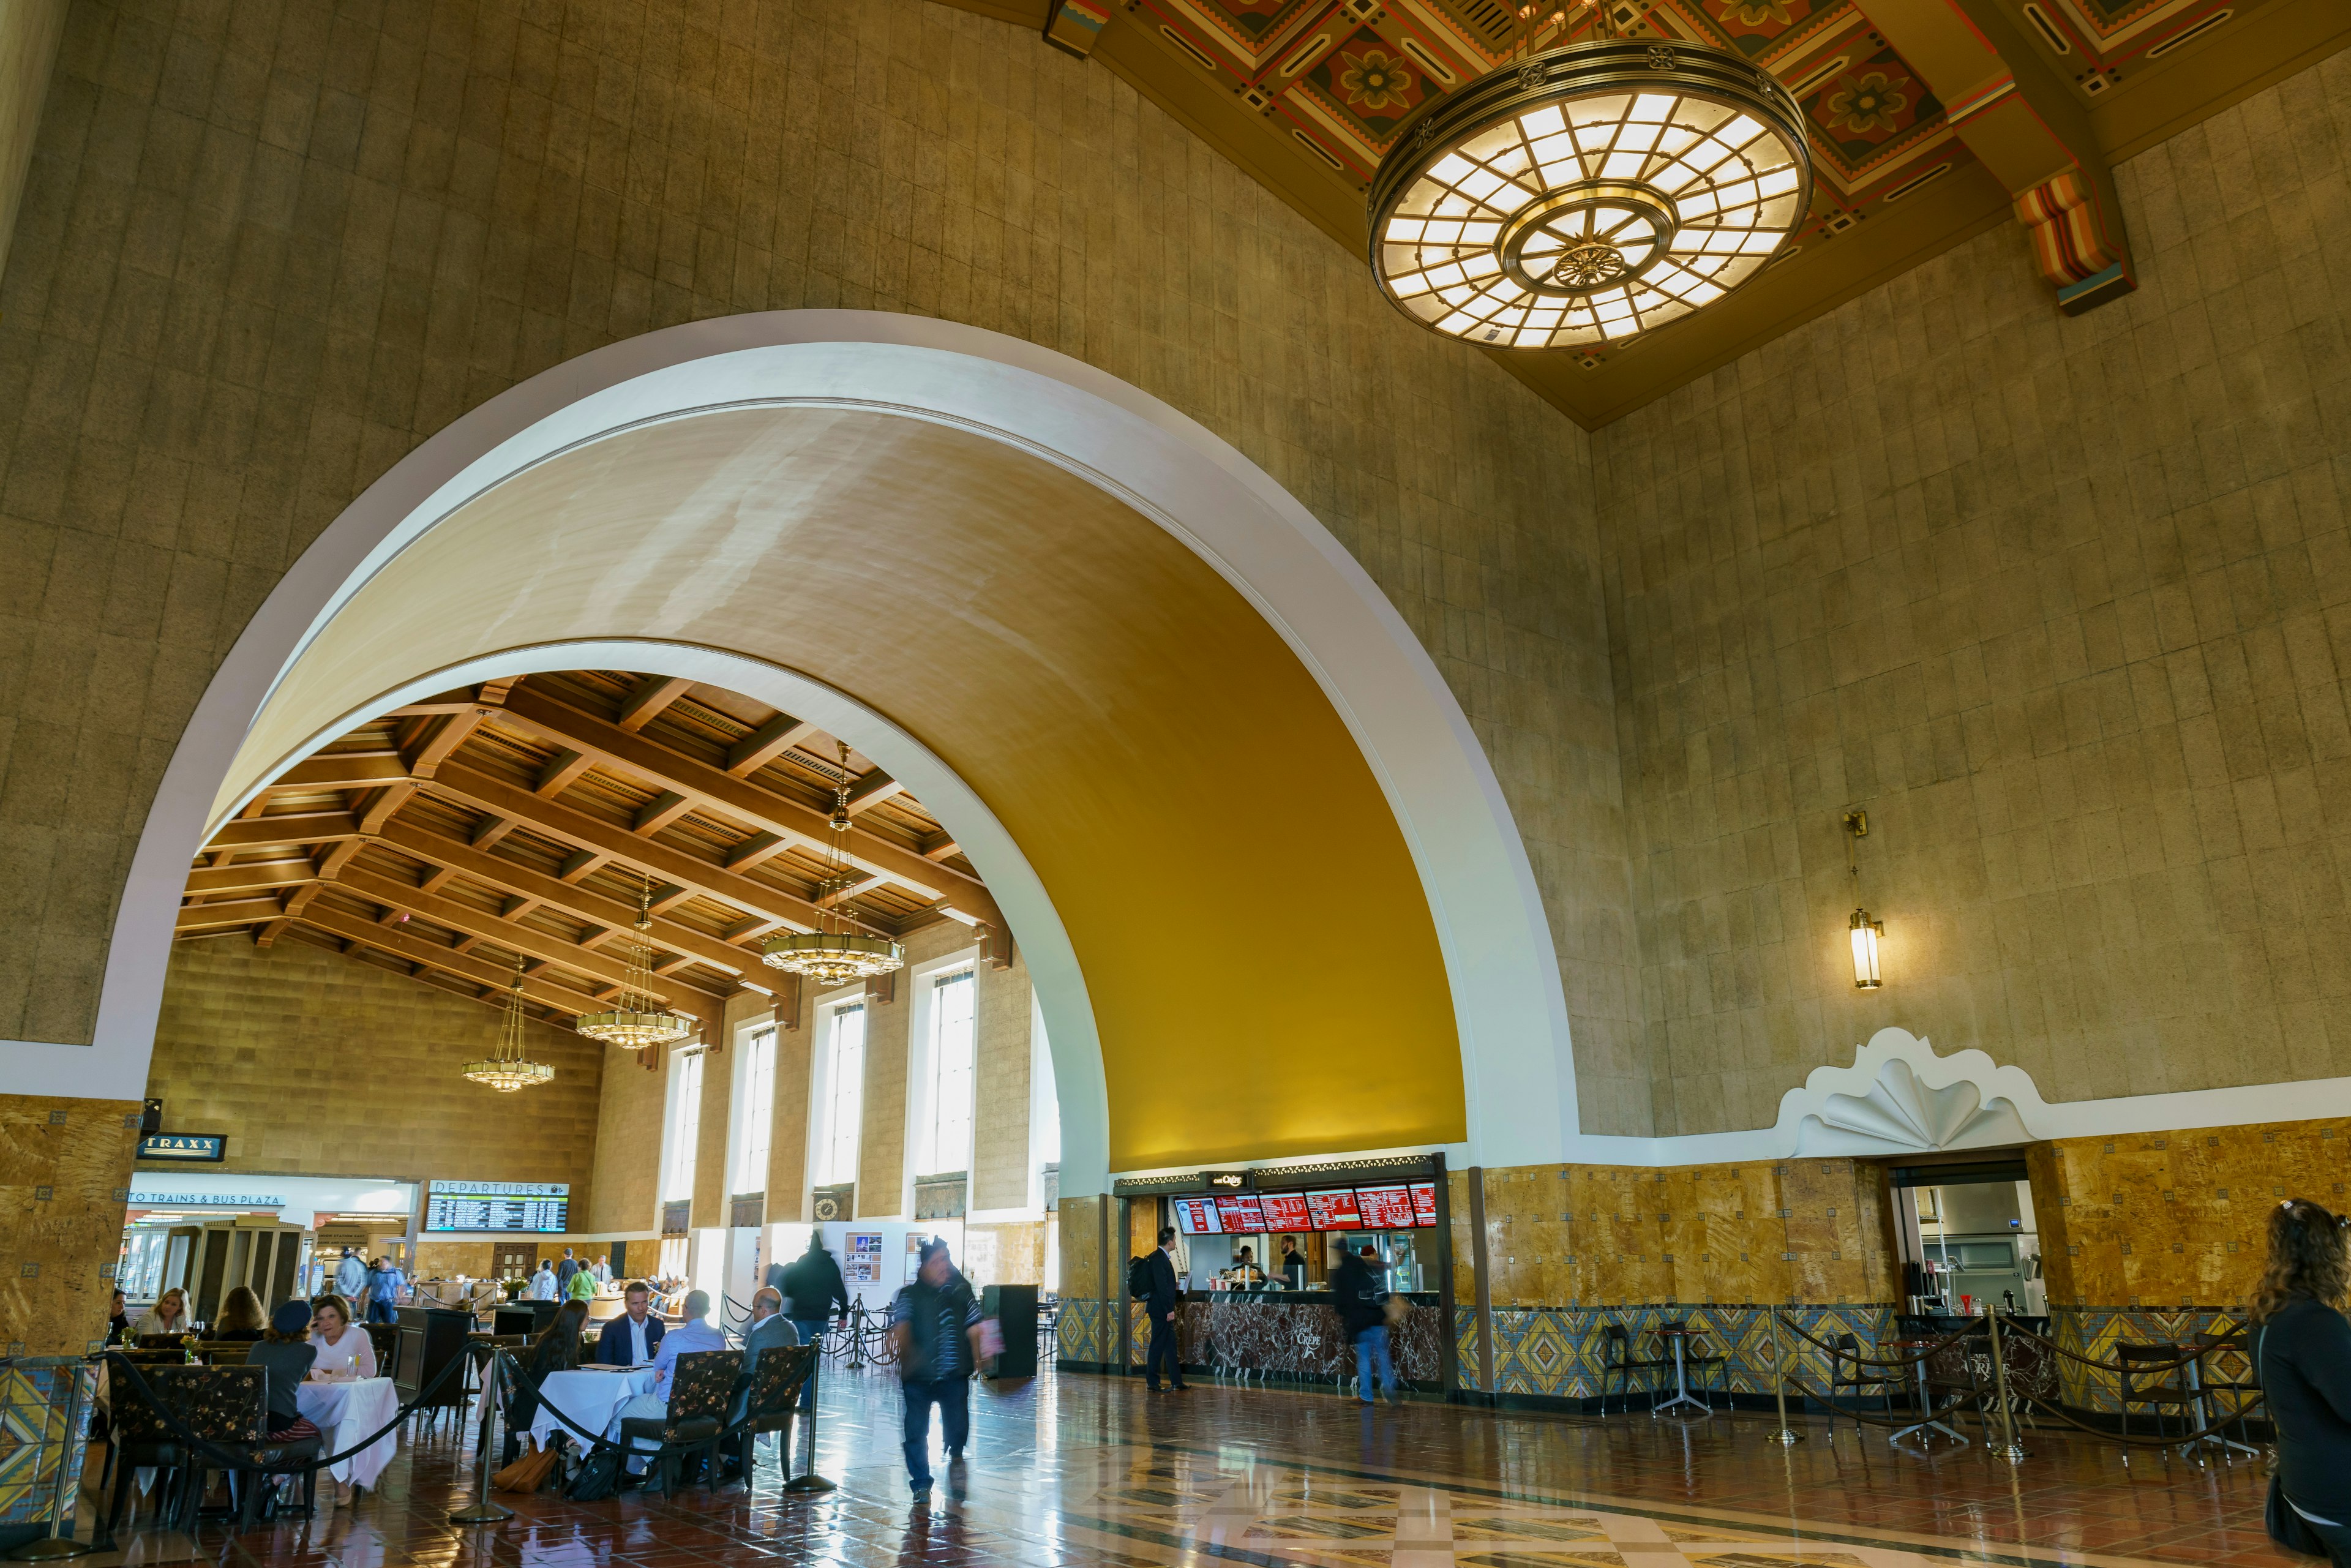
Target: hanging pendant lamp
column 1586, row 195
column 637, row 1020
column 829, row 956
column 506, row 1069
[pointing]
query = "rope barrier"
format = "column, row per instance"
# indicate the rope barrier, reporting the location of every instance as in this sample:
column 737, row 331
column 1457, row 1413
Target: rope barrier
column 1933, row 1349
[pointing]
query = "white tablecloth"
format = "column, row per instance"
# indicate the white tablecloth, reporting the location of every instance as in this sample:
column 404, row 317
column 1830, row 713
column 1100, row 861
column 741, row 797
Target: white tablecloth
column 589, row 1397
column 346, row 1412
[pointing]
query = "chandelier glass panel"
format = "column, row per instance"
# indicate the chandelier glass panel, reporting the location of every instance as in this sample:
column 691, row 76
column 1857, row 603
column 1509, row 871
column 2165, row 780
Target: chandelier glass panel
column 1586, row 194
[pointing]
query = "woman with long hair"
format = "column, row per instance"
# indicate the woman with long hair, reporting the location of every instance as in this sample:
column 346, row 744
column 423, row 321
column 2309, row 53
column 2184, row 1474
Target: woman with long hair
column 169, row 1315
column 557, row 1349
column 2302, row 1358
column 240, row 1316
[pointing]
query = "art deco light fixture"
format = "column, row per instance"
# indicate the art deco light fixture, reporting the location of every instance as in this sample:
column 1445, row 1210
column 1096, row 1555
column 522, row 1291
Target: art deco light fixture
column 828, row 955
column 1586, row 195
column 1866, row 931
column 637, row 1020
column 506, row 1069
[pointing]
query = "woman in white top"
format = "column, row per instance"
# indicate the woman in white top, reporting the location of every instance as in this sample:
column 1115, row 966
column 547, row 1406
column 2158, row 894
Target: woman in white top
column 344, row 1348
column 169, row 1315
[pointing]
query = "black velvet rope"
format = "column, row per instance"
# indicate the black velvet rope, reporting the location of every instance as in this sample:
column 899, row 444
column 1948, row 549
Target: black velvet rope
column 229, row 1458
column 1933, row 1349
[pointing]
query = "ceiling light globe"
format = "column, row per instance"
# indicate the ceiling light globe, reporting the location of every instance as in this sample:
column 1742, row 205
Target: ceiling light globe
column 1589, row 194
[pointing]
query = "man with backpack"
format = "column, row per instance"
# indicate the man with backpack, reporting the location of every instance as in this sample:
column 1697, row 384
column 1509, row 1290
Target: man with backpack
column 934, row 1322
column 1361, row 1297
column 1157, row 1279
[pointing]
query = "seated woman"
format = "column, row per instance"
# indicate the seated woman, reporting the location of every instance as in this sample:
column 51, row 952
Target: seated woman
column 557, row 1349
column 240, row 1317
column 169, row 1315
column 345, row 1349
column 286, row 1353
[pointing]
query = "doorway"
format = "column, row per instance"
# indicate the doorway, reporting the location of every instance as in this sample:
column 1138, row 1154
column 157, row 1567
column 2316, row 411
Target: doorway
column 1968, row 1238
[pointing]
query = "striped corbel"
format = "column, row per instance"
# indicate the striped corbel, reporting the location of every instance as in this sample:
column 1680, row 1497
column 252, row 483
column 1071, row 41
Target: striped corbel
column 2061, row 217
column 1076, row 25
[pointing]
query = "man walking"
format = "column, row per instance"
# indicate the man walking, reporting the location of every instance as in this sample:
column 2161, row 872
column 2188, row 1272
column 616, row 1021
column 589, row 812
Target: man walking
column 1161, row 1305
column 1361, row 1297
column 351, row 1276
column 563, row 1272
column 934, row 1322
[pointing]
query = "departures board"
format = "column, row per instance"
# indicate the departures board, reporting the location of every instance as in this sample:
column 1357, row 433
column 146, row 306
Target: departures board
column 543, row 1206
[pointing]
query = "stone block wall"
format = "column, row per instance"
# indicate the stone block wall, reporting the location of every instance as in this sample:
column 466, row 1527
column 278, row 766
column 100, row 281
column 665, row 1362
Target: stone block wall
column 266, row 249
column 65, row 1178
column 2062, row 602
column 999, row 1133
column 315, row 1064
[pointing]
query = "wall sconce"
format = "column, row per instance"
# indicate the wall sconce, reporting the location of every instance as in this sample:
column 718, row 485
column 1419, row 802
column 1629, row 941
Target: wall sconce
column 1866, row 931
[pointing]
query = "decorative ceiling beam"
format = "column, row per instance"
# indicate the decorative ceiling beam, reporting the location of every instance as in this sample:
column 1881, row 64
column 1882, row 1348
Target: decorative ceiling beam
column 562, row 771
column 289, row 830
column 757, row 850
column 348, row 771
column 657, row 814
column 219, row 916
column 416, row 949
column 384, row 802
column 482, row 792
column 745, row 802
column 2021, row 120
column 855, row 889
column 872, row 791
column 452, row 733
column 653, row 693
column 520, row 882
column 487, row 926
column 938, row 846
column 765, row 744
column 252, row 877
column 458, row 701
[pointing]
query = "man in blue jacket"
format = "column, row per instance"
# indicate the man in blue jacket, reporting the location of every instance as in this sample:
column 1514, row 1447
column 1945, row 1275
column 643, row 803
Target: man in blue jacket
column 632, row 1338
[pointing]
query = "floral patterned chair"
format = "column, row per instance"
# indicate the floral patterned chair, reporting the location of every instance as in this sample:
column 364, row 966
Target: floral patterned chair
column 702, row 1387
column 223, row 1405
column 773, row 1398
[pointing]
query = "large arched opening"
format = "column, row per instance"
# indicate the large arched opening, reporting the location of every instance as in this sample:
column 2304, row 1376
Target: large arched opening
column 1123, row 660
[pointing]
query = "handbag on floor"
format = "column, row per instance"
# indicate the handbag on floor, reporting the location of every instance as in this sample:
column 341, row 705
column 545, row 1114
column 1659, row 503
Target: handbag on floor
column 598, row 1477
column 528, row 1473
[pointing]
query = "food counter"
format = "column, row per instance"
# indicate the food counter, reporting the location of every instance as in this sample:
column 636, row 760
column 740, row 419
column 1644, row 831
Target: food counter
column 1296, row 1335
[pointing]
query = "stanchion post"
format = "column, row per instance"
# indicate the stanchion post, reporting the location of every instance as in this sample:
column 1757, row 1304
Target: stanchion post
column 484, row 1512
column 808, row 1480
column 1786, row 1434
column 2011, row 1450
column 59, row 1544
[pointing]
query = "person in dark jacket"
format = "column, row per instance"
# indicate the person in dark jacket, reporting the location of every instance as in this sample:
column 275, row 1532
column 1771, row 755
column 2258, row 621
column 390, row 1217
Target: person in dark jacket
column 935, row 1324
column 2302, row 1358
column 285, row 1354
column 1161, row 1305
column 812, row 1288
column 1360, row 1296
column 632, row 1338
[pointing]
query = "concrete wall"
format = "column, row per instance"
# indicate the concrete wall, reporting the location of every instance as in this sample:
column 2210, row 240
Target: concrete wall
column 268, row 249
column 2062, row 602
column 316, row 1064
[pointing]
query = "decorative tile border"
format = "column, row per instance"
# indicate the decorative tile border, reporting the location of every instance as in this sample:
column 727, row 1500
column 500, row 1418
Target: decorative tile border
column 33, row 1435
column 2094, row 1332
column 1559, row 1352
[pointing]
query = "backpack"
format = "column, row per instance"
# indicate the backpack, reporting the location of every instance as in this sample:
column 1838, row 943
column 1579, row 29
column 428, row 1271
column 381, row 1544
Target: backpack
column 598, row 1477
column 1138, row 1278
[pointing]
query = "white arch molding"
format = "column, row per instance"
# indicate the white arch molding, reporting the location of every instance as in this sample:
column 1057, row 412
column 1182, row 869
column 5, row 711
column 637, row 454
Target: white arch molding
column 1509, row 1012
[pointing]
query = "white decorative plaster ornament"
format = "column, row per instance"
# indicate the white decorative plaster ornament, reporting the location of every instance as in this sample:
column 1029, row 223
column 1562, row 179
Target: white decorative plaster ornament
column 1900, row 1097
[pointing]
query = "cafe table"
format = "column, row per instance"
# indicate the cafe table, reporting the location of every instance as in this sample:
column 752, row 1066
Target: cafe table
column 346, row 1410
column 1926, row 1423
column 590, row 1395
column 1678, row 1335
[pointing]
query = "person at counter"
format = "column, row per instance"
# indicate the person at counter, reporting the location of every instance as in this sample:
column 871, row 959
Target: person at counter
column 1244, row 1270
column 1360, row 1295
column 1294, row 1263
column 1161, row 1305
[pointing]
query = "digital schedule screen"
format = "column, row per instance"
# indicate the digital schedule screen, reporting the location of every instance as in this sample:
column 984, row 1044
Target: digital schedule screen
column 1239, row 1213
column 1424, row 1203
column 1334, row 1210
column 542, row 1207
column 1285, row 1211
column 1197, row 1216
column 1384, row 1207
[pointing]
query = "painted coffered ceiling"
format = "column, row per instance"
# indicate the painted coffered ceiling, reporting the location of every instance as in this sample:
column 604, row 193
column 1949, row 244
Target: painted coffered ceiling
column 1930, row 120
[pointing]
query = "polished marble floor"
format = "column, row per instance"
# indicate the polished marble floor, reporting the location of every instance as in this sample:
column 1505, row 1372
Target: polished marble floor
column 1073, row 1469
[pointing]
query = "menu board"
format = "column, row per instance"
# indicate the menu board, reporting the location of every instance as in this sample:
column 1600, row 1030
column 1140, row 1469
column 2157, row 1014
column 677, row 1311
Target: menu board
column 1239, row 1214
column 1334, row 1210
column 1384, row 1207
column 534, row 1205
column 1424, row 1203
column 1197, row 1216
column 1285, row 1211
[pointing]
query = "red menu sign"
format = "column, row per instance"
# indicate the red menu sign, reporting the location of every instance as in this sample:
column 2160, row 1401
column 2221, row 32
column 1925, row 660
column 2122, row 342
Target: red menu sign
column 1384, row 1207
column 1285, row 1211
column 1239, row 1213
column 1196, row 1216
column 1334, row 1210
column 1424, row 1203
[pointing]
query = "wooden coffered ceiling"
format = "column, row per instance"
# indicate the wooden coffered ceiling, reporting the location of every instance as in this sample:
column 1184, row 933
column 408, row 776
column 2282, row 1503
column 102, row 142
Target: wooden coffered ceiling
column 522, row 821
column 1928, row 119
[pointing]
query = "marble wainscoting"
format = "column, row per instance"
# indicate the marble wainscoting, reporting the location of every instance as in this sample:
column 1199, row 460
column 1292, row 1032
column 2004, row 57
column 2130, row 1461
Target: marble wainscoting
column 1560, row 1353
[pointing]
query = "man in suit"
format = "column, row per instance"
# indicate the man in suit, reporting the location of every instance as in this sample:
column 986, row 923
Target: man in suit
column 767, row 1328
column 633, row 1338
column 1161, row 1305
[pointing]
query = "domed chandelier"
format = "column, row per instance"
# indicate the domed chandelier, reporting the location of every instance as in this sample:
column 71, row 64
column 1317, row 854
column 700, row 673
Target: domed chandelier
column 505, row 1068
column 834, row 957
column 637, row 1020
column 1584, row 194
